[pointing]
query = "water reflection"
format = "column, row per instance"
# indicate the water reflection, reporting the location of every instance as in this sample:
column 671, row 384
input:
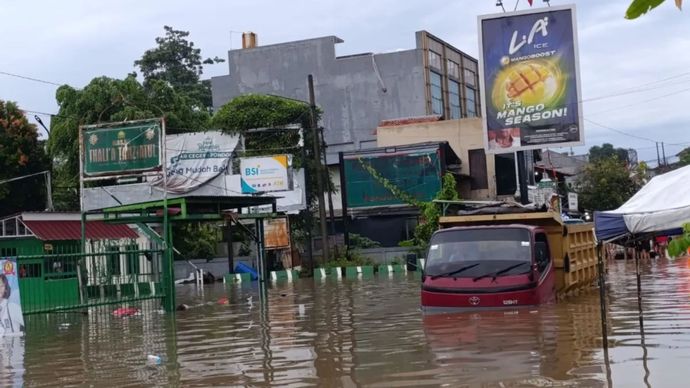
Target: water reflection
column 366, row 332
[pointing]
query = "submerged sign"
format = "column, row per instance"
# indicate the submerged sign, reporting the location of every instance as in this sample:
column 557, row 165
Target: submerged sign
column 11, row 319
column 121, row 149
column 530, row 80
column 263, row 174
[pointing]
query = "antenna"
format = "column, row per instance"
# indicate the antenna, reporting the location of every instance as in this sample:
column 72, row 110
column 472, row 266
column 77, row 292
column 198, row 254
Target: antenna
column 499, row 3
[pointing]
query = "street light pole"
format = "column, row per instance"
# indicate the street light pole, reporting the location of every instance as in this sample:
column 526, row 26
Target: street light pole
column 319, row 171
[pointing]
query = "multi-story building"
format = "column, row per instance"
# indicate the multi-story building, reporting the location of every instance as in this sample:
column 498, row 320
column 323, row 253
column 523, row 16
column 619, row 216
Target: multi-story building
column 356, row 92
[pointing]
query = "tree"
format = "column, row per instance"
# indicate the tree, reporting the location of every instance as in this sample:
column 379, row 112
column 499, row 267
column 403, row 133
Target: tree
column 684, row 157
column 20, row 154
column 606, row 151
column 639, row 7
column 196, row 241
column 177, row 62
column 106, row 100
column 252, row 111
column 605, row 184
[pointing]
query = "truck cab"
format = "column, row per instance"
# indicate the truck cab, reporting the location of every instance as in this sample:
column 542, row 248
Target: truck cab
column 488, row 266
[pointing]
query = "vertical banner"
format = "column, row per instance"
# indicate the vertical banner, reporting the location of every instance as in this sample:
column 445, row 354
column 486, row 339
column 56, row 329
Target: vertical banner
column 11, row 318
column 530, row 81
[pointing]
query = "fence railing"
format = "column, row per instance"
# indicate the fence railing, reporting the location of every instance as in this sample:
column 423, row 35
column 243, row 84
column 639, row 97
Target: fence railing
column 66, row 278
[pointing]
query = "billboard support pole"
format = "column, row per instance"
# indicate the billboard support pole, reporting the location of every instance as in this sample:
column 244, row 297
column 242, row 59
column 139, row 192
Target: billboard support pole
column 319, row 172
column 522, row 177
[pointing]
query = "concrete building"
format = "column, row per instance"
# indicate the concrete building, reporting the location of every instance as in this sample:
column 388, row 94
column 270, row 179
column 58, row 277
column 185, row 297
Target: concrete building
column 356, row 92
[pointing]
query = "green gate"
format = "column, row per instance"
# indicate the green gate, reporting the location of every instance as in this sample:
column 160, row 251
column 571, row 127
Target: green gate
column 106, row 274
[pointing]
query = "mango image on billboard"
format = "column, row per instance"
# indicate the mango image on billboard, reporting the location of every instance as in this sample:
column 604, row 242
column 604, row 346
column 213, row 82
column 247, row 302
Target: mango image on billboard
column 529, row 83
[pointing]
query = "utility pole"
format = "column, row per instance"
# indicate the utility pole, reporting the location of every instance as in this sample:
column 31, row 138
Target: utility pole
column 319, row 171
column 658, row 157
column 663, row 153
column 329, row 184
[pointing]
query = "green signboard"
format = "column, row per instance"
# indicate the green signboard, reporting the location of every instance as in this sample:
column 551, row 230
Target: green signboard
column 122, row 149
column 417, row 172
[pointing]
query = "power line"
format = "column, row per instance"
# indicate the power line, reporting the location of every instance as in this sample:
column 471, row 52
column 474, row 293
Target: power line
column 641, row 102
column 621, row 132
column 30, row 78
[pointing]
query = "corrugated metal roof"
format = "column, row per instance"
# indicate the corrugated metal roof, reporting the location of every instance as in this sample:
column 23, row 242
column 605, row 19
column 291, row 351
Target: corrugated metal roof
column 71, row 230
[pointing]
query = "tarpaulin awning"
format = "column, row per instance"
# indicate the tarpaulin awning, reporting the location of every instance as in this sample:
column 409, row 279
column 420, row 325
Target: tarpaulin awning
column 54, row 230
column 662, row 206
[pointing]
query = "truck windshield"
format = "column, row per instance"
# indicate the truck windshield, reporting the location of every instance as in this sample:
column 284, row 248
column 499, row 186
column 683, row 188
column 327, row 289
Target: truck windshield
column 486, row 247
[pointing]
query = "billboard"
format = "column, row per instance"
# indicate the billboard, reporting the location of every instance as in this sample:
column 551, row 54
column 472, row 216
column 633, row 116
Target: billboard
column 264, row 174
column 416, row 171
column 11, row 318
column 121, row 148
column 194, row 159
column 530, row 81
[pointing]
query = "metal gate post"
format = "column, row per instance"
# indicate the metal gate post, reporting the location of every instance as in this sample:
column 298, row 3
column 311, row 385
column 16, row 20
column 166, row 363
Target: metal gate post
column 168, row 277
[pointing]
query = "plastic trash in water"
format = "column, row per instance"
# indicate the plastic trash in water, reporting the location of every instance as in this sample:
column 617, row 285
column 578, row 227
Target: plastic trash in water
column 302, row 310
column 154, row 360
column 64, row 326
column 126, row 312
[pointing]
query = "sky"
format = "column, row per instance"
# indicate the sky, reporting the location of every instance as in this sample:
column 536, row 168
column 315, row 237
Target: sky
column 635, row 74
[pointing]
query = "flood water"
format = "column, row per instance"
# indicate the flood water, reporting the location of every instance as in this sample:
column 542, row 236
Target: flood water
column 367, row 332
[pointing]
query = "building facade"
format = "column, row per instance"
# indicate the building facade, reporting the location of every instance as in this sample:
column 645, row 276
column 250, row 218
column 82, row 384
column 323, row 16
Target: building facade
column 356, row 92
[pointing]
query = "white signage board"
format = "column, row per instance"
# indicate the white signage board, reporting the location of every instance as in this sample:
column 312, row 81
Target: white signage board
column 264, row 174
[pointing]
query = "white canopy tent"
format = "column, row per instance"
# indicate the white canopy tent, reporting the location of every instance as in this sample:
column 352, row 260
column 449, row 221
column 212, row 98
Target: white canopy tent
column 662, row 206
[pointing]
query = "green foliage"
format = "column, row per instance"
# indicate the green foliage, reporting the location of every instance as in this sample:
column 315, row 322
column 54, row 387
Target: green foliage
column 20, row 154
column 105, row 100
column 353, row 260
column 605, row 184
column 196, row 240
column 360, row 242
column 684, row 157
column 606, row 151
column 179, row 64
column 639, row 7
column 252, row 111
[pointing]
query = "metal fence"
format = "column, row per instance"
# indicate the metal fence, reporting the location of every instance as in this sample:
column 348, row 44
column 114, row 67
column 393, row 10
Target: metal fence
column 108, row 272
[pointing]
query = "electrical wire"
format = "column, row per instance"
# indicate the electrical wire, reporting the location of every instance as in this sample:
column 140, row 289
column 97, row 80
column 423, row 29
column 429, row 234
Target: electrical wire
column 30, row 78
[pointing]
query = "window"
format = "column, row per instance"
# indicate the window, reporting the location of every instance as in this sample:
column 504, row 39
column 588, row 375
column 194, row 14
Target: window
column 113, row 260
column 11, row 227
column 541, row 251
column 453, row 69
column 471, row 98
column 434, row 60
column 436, row 94
column 8, row 252
column 478, row 170
column 470, row 77
column 454, row 97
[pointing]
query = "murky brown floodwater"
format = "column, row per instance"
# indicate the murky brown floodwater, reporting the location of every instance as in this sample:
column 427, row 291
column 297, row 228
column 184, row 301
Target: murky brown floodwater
column 366, row 333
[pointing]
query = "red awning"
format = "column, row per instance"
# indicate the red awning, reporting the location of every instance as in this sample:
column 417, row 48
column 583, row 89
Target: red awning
column 71, row 230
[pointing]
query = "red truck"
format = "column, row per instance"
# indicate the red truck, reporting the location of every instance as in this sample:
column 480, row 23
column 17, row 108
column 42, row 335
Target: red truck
column 506, row 260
